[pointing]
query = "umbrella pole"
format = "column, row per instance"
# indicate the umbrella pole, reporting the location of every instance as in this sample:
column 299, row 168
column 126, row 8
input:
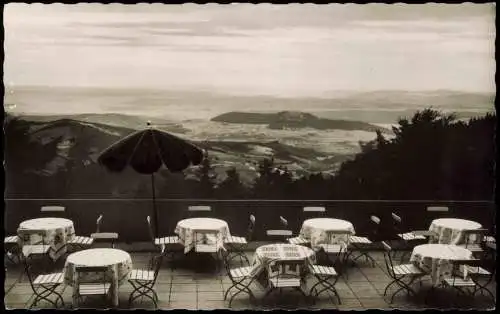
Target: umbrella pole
column 155, row 213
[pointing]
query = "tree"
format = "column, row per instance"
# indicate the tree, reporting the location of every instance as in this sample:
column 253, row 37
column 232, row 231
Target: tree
column 25, row 158
column 432, row 156
column 232, row 187
column 207, row 178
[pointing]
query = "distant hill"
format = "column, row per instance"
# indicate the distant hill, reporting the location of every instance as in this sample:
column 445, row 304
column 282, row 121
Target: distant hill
column 113, row 119
column 79, row 144
column 295, row 120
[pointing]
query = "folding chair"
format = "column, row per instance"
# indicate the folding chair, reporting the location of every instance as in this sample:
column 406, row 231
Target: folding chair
column 363, row 244
column 281, row 234
column 327, row 278
column 336, row 253
column 408, row 239
column 235, row 245
column 437, row 211
column 399, row 272
column 286, row 274
column 99, row 236
column 241, row 279
column 12, row 249
column 474, row 241
column 99, row 287
column 44, row 285
column 207, row 241
column 143, row 281
column 39, row 249
column 299, row 240
column 169, row 245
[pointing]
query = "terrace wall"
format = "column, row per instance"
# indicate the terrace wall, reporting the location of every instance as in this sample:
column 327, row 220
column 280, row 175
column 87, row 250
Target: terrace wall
column 128, row 216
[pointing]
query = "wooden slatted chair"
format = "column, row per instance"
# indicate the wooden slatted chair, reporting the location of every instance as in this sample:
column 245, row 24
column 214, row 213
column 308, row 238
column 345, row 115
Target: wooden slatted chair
column 408, row 240
column 44, row 285
column 12, row 249
column 39, row 250
column 169, row 245
column 286, row 274
column 400, row 272
column 143, row 281
column 327, row 278
column 299, row 240
column 99, row 236
column 236, row 245
column 474, row 241
column 100, row 287
column 81, row 242
column 481, row 277
column 281, row 234
column 363, row 244
column 337, row 253
column 241, row 279
column 207, row 241
column 462, row 281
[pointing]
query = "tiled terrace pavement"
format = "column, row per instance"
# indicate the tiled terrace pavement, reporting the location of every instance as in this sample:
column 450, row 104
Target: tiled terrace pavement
column 185, row 288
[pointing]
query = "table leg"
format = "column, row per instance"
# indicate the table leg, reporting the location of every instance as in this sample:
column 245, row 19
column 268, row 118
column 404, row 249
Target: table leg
column 114, row 286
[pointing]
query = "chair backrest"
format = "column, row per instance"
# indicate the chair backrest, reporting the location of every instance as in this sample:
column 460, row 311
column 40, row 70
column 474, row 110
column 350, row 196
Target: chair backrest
column 100, row 271
column 283, row 222
column 157, row 261
column 337, row 236
column 319, row 210
column 285, row 269
column 375, row 219
column 98, row 223
column 150, row 229
column 388, row 259
column 201, row 236
column 199, row 208
column 52, row 209
column 34, row 236
column 28, row 269
column 442, row 209
column 251, row 228
column 396, row 218
column 473, row 236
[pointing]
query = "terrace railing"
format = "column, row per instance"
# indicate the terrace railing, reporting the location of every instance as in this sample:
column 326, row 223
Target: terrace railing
column 128, row 216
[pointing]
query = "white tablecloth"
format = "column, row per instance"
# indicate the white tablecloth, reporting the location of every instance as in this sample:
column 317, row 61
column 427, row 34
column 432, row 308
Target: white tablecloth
column 55, row 232
column 186, row 229
column 315, row 230
column 450, row 230
column 118, row 261
column 435, row 259
column 280, row 252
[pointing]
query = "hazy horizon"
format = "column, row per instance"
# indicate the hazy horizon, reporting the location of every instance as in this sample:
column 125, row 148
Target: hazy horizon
column 287, row 51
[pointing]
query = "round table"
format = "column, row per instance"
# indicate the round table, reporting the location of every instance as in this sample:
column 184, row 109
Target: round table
column 281, row 252
column 118, row 261
column 186, row 229
column 436, row 259
column 315, row 230
column 55, row 232
column 450, row 230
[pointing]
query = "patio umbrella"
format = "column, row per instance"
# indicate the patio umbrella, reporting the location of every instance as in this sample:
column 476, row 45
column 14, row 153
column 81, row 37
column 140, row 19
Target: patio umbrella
column 146, row 151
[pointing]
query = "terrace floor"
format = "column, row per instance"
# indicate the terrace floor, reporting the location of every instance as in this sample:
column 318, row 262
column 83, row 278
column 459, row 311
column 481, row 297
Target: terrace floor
column 185, row 288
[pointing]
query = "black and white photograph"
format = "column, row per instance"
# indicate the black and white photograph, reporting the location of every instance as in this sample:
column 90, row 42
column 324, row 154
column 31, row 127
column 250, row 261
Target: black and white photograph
column 249, row 156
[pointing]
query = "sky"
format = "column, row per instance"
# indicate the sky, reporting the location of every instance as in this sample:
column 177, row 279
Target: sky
column 279, row 50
